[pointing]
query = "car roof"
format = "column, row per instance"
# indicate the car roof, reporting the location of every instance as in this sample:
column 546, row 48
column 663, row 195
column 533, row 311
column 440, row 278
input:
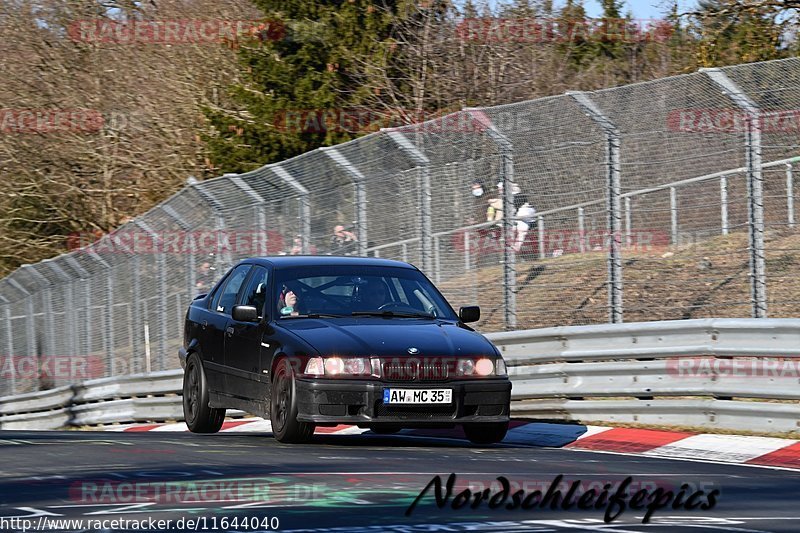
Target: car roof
column 293, row 261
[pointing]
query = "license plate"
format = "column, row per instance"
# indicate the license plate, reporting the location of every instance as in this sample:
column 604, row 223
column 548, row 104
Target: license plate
column 417, row 395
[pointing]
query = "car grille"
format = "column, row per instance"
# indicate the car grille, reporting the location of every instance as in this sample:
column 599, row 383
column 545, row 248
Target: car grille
column 415, row 370
column 415, row 411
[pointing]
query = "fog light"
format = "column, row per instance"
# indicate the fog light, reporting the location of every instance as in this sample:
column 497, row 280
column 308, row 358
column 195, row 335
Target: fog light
column 484, row 367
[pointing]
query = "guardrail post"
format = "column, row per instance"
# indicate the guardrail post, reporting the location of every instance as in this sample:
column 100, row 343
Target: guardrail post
column 755, row 193
column 8, row 345
column 506, row 149
column 361, row 195
column 422, row 163
column 614, row 190
column 723, row 203
column 789, row 195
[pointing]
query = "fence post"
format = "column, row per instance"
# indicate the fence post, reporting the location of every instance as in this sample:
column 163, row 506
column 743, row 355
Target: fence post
column 361, row 194
column 161, row 303
column 790, row 195
column 506, row 149
column 614, row 190
column 83, row 275
column 755, row 182
column 422, row 163
column 305, row 204
column 69, row 306
column 108, row 331
column 723, row 203
column 628, row 235
column 8, row 345
column 48, row 344
column 540, row 236
column 673, row 214
column 581, row 231
column 261, row 220
column 222, row 256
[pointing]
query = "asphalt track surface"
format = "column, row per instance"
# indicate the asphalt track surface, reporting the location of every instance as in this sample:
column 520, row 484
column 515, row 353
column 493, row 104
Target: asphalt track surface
column 354, row 483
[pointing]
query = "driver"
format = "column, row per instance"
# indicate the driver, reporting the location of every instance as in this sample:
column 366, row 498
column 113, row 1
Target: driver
column 372, row 295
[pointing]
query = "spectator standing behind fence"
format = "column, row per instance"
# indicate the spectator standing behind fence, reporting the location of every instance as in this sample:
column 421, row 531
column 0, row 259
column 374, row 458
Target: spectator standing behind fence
column 494, row 213
column 478, row 212
column 343, row 242
column 525, row 219
column 205, row 276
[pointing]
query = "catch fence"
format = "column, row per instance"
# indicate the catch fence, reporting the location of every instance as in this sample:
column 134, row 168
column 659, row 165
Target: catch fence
column 660, row 200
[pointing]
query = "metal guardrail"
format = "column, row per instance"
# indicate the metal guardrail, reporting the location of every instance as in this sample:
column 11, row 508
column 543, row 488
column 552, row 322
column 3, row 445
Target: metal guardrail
column 680, row 373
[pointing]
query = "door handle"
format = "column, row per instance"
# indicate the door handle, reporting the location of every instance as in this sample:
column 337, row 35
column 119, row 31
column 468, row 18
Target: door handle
column 229, row 330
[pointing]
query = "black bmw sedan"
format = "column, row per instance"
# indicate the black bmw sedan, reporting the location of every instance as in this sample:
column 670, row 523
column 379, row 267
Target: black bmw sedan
column 312, row 341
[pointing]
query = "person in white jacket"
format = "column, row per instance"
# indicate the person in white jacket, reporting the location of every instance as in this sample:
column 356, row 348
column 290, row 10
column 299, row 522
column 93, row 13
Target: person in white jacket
column 525, row 218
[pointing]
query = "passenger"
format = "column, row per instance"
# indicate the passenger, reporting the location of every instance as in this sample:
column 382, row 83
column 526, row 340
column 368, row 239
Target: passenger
column 287, row 303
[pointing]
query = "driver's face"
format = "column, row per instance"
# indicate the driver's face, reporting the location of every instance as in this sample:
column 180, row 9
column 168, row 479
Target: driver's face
column 376, row 295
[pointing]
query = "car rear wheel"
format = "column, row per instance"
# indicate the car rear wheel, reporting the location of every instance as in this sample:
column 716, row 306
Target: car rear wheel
column 283, row 408
column 486, row 432
column 200, row 418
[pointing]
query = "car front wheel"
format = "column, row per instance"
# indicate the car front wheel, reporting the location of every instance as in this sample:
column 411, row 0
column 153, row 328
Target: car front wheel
column 200, row 418
column 486, row 432
column 283, row 408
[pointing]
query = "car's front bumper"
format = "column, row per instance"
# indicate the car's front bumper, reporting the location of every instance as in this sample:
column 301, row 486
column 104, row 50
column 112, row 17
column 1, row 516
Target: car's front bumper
column 360, row 402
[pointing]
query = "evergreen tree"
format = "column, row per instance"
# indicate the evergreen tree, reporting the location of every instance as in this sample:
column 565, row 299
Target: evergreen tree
column 303, row 80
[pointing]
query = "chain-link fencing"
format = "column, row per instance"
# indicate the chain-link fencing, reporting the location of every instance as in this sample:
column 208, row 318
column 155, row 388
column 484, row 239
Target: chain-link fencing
column 670, row 199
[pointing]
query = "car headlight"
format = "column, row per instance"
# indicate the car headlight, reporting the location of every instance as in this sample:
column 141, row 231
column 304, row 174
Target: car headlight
column 481, row 367
column 338, row 366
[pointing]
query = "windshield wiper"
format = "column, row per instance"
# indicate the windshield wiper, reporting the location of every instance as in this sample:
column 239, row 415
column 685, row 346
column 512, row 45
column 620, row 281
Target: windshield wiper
column 314, row 315
column 391, row 314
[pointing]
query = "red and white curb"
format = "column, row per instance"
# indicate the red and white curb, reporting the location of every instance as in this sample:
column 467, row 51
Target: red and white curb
column 737, row 449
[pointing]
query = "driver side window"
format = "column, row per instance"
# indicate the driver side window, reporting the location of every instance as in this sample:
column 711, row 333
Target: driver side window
column 225, row 299
column 256, row 292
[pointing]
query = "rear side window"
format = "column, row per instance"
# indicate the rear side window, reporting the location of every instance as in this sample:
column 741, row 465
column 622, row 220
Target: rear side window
column 225, row 299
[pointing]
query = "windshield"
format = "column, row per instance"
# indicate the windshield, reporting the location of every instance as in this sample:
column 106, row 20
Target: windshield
column 356, row 291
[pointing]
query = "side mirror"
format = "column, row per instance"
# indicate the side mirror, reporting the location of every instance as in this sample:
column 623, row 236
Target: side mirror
column 245, row 313
column 470, row 313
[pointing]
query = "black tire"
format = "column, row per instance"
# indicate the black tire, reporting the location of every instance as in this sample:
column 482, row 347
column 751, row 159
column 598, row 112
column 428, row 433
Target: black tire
column 385, row 430
column 200, row 418
column 283, row 408
column 486, row 432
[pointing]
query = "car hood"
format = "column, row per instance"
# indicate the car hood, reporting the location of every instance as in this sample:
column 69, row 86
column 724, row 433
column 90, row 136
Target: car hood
column 388, row 337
